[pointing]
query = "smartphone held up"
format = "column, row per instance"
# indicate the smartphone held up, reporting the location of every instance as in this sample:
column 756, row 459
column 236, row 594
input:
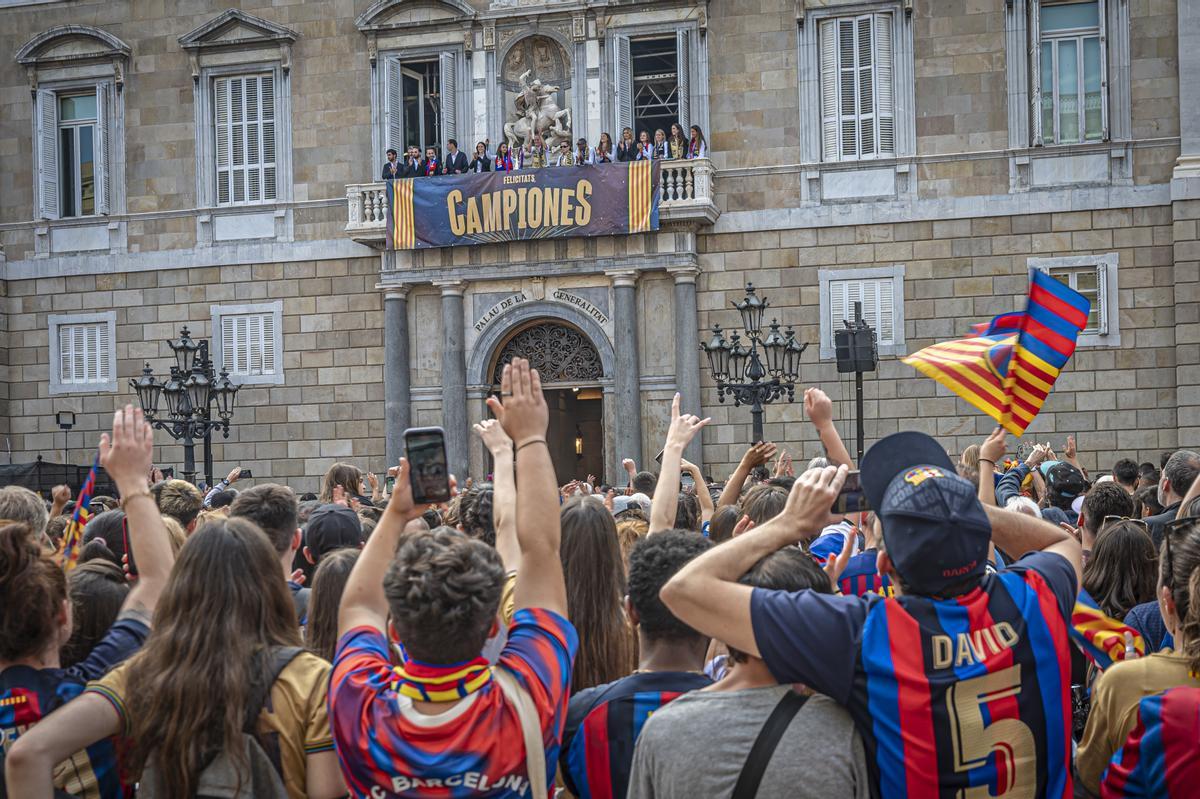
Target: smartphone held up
column 851, row 498
column 428, row 471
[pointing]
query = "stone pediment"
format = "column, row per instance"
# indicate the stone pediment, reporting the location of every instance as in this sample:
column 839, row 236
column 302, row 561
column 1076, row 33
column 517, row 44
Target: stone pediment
column 384, row 15
column 71, row 43
column 235, row 28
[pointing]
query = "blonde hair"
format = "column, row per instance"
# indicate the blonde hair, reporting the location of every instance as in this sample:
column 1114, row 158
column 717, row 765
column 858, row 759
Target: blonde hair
column 629, row 532
column 178, row 499
column 175, row 533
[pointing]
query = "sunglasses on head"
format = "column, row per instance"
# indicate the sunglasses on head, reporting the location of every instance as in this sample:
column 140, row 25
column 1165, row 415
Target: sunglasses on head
column 1115, row 519
column 1170, row 530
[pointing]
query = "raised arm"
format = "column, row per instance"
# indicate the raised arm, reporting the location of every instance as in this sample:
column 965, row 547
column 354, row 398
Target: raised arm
column 705, row 594
column 363, row 601
column 504, row 492
column 525, row 417
column 126, row 456
column 819, row 409
column 757, row 455
column 666, row 492
column 1017, row 533
column 707, row 509
column 990, row 452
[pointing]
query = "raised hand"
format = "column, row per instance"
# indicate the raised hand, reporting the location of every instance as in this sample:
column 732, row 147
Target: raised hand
column 60, row 495
column 835, row 565
column 684, row 427
column 401, row 501
column 629, row 466
column 234, row 475
column 812, row 495
column 743, row 524
column 818, row 407
column 491, row 432
column 995, row 446
column 126, row 453
column 339, row 497
column 522, row 411
column 758, row 454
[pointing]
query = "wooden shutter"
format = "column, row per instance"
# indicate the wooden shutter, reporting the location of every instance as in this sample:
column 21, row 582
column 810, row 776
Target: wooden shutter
column 829, row 91
column 885, row 312
column 224, row 136
column 103, row 369
column 877, row 296
column 253, row 139
column 1102, row 299
column 448, row 96
column 847, row 90
column 47, row 156
column 838, row 306
column 103, row 146
column 393, row 106
column 248, row 344
column 84, row 353
column 229, row 344
column 266, row 328
column 684, row 79
column 865, row 68
column 623, row 83
column 885, row 102
column 267, row 129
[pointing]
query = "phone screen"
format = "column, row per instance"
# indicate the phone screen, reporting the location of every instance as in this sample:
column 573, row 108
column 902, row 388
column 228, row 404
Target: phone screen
column 429, row 474
column 658, row 457
column 686, row 481
column 851, row 498
column 391, row 483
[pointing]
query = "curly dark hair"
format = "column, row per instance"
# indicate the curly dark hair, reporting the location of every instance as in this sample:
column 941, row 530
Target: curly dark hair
column 475, row 513
column 1105, row 499
column 443, row 590
column 645, row 483
column 653, row 561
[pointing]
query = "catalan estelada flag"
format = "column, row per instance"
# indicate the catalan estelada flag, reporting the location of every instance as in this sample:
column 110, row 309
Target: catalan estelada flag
column 1007, row 367
column 401, row 225
column 73, row 535
column 1100, row 637
column 643, row 200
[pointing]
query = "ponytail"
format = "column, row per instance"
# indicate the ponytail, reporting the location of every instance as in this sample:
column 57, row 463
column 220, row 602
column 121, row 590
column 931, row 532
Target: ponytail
column 1190, row 624
column 32, row 591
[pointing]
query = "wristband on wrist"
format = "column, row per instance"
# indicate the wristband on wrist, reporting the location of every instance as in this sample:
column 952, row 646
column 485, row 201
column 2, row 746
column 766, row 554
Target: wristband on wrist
column 528, row 441
column 125, row 498
column 987, row 460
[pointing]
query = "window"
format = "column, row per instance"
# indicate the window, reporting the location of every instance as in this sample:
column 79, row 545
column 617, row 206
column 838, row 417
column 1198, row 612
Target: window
column 249, row 342
column 857, row 102
column 421, row 106
column 74, row 151
column 83, row 353
column 881, row 292
column 244, row 109
column 652, row 76
column 1095, row 277
column 1071, row 73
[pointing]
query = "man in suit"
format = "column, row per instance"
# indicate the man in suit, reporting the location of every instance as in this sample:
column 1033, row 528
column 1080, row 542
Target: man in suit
column 392, row 169
column 1177, row 477
column 456, row 160
column 412, row 161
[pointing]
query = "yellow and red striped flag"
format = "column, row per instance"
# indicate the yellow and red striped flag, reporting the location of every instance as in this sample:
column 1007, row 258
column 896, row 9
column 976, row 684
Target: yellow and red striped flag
column 1008, row 366
column 73, row 535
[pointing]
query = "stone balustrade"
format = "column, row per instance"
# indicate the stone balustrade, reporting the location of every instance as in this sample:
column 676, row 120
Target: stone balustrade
column 686, row 195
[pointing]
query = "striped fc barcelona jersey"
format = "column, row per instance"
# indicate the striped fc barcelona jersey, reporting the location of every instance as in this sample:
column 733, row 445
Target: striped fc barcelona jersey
column 1161, row 757
column 962, row 697
column 603, row 725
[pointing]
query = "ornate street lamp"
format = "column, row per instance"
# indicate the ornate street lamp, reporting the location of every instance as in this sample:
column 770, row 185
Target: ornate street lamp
column 762, row 373
column 189, row 396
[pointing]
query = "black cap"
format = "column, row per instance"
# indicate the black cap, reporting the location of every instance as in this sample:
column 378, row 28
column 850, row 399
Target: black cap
column 1063, row 480
column 934, row 528
column 332, row 527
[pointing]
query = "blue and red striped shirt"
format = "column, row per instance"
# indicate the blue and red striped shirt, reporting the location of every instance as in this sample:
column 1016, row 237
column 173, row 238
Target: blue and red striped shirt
column 861, row 576
column 1161, row 757
column 949, row 695
column 603, row 724
column 387, row 748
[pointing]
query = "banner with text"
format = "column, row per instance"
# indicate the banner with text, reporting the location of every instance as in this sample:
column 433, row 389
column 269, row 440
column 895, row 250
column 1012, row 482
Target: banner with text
column 490, row 207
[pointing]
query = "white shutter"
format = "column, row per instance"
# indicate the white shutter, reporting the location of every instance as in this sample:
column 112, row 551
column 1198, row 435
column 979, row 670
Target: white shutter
column 241, row 350
column 1102, row 299
column 448, row 91
column 224, row 136
column 865, row 52
column 684, row 79
column 885, row 103
column 253, row 136
column 393, row 92
column 103, row 146
column 623, row 83
column 228, row 344
column 101, row 353
column 847, row 89
column 837, row 307
column 885, row 317
column 267, row 129
column 829, row 91
column 47, row 156
column 267, row 346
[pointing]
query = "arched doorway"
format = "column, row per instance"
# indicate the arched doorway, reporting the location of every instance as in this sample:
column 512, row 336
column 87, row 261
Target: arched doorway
column 571, row 370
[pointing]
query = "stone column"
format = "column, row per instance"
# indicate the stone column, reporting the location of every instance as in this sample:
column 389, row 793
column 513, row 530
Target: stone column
column 627, row 394
column 687, row 350
column 1185, row 208
column 396, row 397
column 454, row 376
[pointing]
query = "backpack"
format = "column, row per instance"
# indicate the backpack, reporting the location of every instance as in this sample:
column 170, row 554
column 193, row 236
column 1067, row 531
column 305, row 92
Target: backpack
column 219, row 778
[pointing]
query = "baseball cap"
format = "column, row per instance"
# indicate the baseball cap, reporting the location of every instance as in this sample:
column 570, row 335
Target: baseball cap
column 332, row 527
column 934, row 527
column 1063, row 480
column 622, row 503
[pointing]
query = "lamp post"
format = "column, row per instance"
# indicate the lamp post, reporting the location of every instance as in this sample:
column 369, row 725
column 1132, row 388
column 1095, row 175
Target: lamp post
column 196, row 400
column 760, row 373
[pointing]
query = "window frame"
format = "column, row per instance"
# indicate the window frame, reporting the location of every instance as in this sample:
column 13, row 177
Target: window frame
column 108, row 151
column 894, row 273
column 452, row 61
column 76, row 188
column 692, row 71
column 1037, row 39
column 1106, row 290
column 57, row 385
column 230, row 129
column 838, row 71
column 219, row 312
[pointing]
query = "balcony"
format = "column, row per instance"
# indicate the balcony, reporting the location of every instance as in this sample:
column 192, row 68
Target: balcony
column 686, row 196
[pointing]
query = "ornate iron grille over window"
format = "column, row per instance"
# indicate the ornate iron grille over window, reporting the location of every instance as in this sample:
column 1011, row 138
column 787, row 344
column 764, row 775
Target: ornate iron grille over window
column 560, row 354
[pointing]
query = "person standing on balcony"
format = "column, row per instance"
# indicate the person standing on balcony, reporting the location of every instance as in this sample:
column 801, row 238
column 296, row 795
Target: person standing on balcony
column 696, row 145
column 645, row 149
column 661, row 149
column 536, row 155
column 481, row 162
column 583, row 153
column 392, row 169
column 678, row 144
column 627, row 149
column 504, row 159
column 604, row 150
column 564, row 155
column 456, row 159
column 431, row 166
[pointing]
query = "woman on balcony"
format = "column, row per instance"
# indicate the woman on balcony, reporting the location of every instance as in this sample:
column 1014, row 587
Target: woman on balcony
column 504, row 160
column 627, row 149
column 481, row 162
column 677, row 142
column 645, row 149
column 604, row 150
column 662, row 150
column 697, row 148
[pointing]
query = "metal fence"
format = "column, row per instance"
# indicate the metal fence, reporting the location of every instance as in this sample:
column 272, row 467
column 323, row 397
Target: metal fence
column 42, row 476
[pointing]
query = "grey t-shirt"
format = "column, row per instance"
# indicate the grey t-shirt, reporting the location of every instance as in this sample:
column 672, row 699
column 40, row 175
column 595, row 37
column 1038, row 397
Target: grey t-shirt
column 820, row 756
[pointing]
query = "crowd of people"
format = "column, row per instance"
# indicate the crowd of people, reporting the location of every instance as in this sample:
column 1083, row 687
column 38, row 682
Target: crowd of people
column 671, row 637
column 659, row 146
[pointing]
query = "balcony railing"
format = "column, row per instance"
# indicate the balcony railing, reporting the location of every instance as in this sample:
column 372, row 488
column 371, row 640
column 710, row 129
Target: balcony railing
column 686, row 196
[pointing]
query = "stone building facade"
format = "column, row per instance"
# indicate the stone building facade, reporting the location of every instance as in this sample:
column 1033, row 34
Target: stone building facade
column 194, row 164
